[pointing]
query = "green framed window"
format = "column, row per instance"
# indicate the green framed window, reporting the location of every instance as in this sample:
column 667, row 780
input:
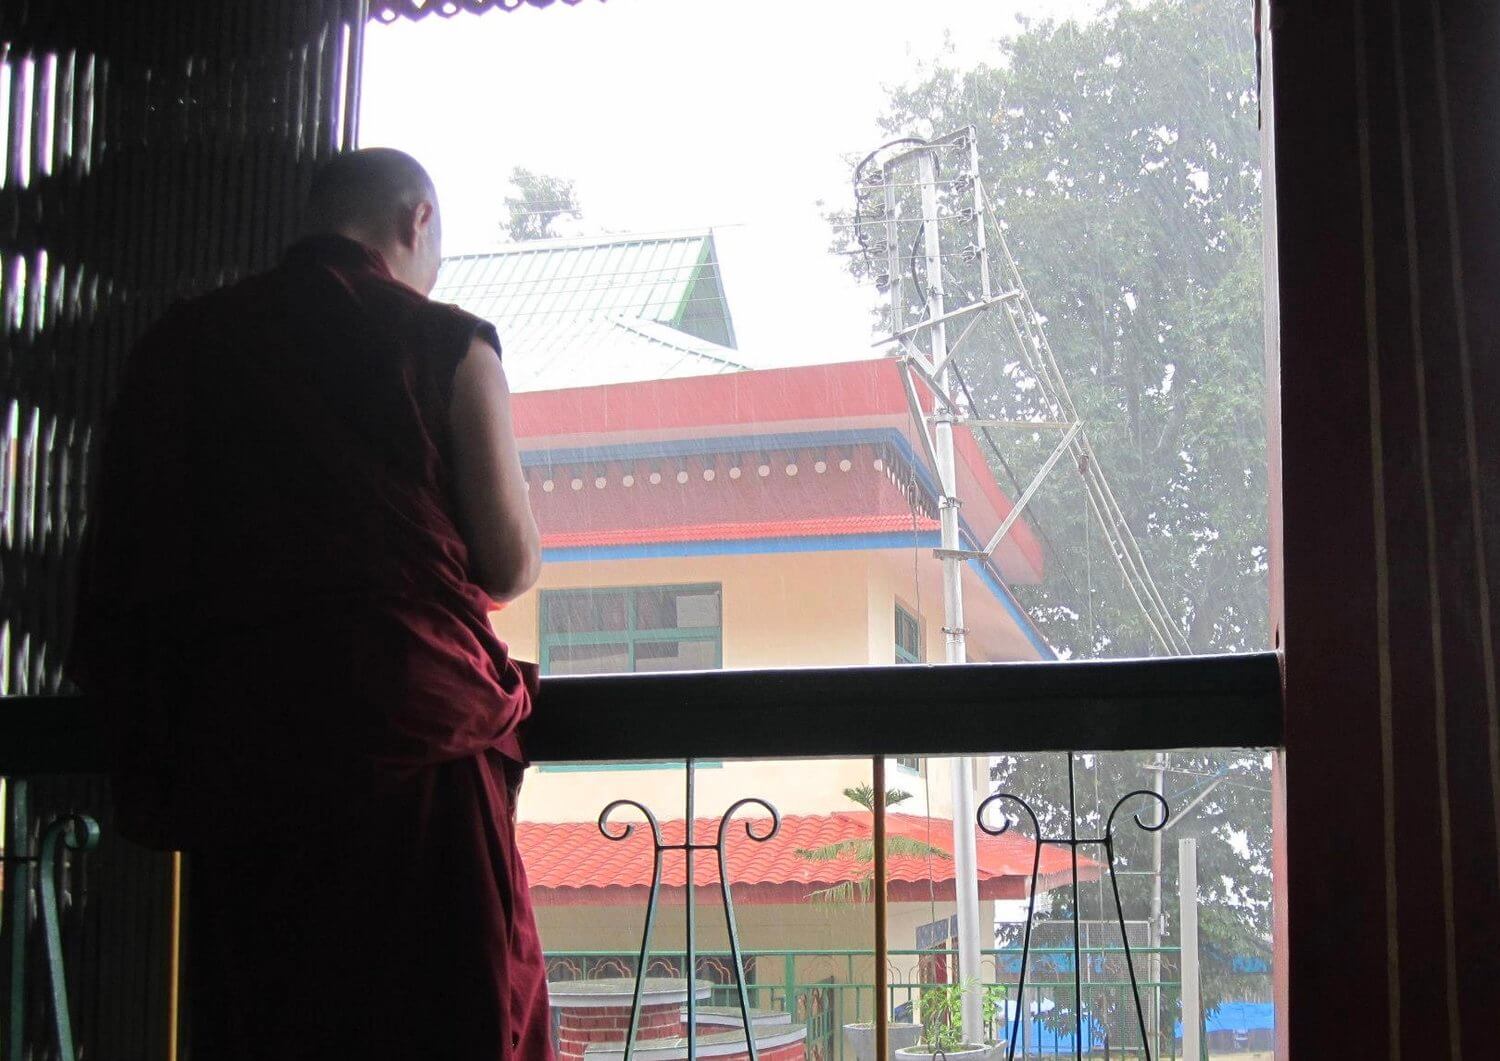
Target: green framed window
column 627, row 629
column 908, row 650
column 908, row 637
column 622, row 630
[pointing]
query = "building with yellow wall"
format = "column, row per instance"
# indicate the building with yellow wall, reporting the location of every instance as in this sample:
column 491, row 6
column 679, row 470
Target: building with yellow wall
column 696, row 516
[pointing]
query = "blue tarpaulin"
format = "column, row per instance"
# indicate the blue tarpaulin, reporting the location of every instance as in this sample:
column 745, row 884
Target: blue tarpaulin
column 1238, row 1017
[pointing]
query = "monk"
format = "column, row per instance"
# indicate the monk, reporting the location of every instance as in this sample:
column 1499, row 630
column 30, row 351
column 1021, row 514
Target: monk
column 309, row 500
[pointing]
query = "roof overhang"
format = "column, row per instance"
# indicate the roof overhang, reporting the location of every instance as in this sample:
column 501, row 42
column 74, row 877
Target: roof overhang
column 847, row 403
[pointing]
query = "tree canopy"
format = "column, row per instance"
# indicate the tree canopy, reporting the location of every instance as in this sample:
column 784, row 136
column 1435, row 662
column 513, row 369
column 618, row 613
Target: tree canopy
column 1122, row 155
column 539, row 201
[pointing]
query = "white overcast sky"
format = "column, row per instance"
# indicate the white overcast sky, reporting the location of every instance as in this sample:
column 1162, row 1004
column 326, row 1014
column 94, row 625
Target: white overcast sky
column 678, row 114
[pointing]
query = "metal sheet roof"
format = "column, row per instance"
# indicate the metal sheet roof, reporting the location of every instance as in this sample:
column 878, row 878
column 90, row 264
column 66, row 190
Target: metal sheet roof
column 603, row 350
column 578, row 313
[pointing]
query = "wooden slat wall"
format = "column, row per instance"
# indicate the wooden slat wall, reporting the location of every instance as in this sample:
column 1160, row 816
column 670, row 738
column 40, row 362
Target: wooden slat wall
column 152, row 150
column 1388, row 149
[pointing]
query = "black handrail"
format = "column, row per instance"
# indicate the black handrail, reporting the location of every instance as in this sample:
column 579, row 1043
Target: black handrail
column 1107, row 705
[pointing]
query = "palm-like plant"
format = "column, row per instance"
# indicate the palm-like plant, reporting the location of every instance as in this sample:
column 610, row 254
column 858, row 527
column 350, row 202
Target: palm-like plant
column 863, row 850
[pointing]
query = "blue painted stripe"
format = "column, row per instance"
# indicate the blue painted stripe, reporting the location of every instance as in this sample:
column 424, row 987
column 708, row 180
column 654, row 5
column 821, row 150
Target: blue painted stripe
column 810, row 543
column 780, row 441
column 645, row 764
column 682, row 447
column 990, row 575
column 807, row 543
column 1013, row 607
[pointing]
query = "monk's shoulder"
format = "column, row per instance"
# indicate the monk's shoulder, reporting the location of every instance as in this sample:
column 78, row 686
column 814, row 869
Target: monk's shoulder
column 459, row 325
column 223, row 308
column 176, row 336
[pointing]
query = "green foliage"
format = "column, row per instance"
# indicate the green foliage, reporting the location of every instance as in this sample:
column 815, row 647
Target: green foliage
column 940, row 1010
column 1221, row 798
column 1223, row 942
column 1122, row 155
column 941, row 1016
column 863, row 851
column 864, row 795
column 539, row 201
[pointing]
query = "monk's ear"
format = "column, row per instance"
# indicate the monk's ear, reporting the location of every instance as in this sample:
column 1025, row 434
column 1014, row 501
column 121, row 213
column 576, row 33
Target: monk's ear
column 413, row 223
column 423, row 217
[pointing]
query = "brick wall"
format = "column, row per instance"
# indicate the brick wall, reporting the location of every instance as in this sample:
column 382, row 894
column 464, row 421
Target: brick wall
column 580, row 1028
column 577, row 1029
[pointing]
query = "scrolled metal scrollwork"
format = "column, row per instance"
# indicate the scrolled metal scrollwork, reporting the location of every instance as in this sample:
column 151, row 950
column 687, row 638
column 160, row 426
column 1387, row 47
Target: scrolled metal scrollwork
column 75, row 832
column 1006, row 822
column 1073, row 841
column 690, row 848
column 750, row 801
column 721, row 847
column 1036, row 866
column 628, row 828
column 1150, row 794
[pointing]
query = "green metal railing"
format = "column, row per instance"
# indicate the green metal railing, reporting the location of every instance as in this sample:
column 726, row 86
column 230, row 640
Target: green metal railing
column 31, row 886
column 826, row 989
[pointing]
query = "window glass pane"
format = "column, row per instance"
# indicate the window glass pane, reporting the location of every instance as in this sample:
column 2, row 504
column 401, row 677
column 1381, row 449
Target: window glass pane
column 1219, row 821
column 588, row 659
column 617, row 631
column 801, row 898
column 700, row 278
column 669, row 608
column 676, row 655
column 804, row 906
column 698, row 609
column 908, row 637
column 585, row 613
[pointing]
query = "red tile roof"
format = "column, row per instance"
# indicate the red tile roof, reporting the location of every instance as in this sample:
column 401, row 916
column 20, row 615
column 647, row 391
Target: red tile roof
column 572, row 864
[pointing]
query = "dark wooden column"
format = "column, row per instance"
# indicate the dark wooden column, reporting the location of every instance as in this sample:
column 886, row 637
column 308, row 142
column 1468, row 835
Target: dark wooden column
column 1386, row 137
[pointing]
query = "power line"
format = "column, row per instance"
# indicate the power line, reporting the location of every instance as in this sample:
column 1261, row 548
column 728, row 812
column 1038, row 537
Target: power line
column 1030, row 343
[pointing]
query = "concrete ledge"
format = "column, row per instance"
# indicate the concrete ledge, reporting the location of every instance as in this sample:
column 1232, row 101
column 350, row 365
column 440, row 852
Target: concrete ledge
column 615, row 993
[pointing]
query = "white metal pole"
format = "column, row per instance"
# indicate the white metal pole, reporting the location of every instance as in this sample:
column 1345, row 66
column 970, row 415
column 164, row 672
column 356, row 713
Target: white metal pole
column 1187, row 899
column 1156, row 924
column 965, row 858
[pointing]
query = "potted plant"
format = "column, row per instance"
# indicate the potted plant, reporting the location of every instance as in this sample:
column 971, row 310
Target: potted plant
column 942, row 1027
column 996, row 1022
column 859, row 1038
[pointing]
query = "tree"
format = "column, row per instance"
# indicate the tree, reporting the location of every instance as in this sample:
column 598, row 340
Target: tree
column 1122, row 155
column 540, row 200
column 863, row 850
column 1219, row 797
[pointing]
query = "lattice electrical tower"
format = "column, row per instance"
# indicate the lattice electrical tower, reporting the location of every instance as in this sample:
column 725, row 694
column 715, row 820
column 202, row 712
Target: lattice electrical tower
column 921, row 208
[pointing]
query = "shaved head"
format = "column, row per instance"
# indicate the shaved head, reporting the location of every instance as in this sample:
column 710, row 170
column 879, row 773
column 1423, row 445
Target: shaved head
column 365, row 189
column 384, row 199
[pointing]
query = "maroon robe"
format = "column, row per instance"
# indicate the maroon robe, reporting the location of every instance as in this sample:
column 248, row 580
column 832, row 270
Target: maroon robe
column 307, row 696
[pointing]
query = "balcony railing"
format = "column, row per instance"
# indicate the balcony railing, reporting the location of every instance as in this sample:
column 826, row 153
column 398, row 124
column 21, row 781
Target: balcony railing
column 979, row 709
column 827, row 989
